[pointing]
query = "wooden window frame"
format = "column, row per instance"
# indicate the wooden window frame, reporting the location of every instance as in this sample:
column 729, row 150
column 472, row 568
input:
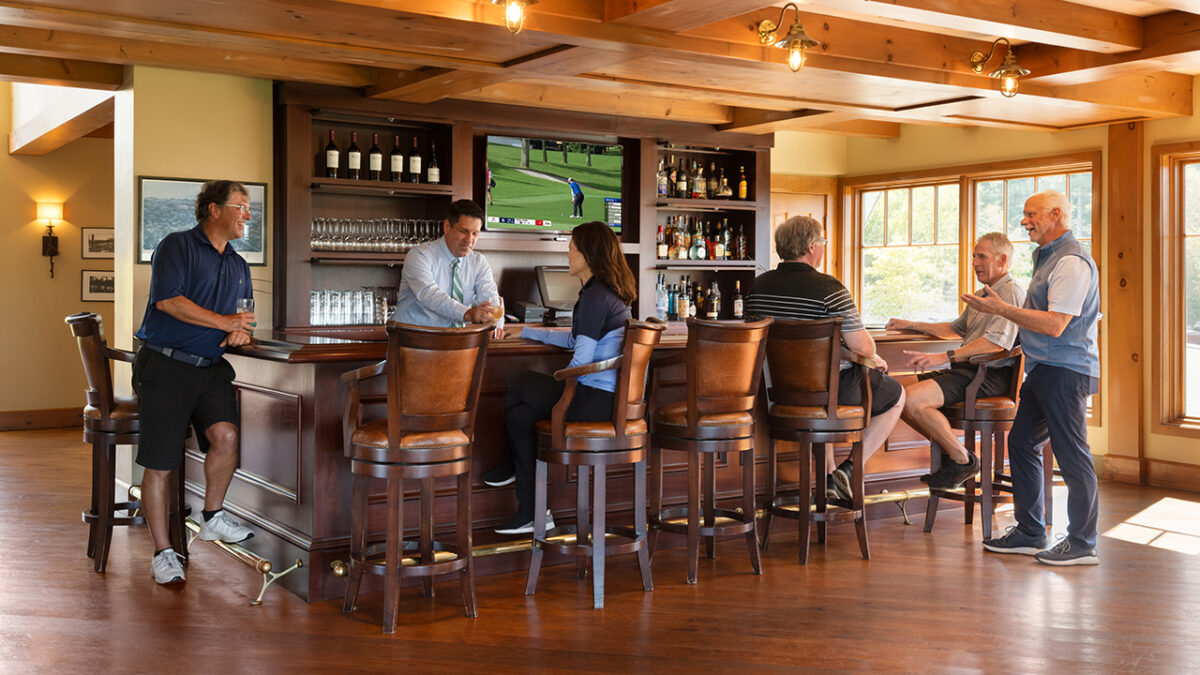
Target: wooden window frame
column 1167, row 269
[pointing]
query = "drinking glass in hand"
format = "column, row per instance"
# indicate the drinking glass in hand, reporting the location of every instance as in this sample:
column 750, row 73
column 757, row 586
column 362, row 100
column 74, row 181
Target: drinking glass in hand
column 246, row 305
column 497, row 304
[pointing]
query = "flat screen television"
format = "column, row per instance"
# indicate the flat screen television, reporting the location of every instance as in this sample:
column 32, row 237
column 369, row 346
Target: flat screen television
column 533, row 179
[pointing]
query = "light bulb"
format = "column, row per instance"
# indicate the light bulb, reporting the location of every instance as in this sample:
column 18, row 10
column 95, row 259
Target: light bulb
column 795, row 56
column 514, row 15
column 1009, row 85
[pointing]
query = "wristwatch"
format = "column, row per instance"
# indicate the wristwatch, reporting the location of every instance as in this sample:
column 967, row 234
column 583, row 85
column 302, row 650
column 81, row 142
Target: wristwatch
column 950, row 355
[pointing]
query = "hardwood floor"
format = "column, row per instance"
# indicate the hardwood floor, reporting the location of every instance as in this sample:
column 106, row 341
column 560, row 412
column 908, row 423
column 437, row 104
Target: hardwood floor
column 924, row 603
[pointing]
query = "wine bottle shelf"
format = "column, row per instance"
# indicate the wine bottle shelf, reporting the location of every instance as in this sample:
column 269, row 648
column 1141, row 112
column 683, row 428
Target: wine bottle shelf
column 676, row 204
column 705, row 264
column 380, row 188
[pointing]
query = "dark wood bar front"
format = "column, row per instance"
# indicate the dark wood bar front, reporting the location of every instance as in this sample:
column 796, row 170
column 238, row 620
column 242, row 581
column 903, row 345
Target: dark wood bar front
column 293, row 484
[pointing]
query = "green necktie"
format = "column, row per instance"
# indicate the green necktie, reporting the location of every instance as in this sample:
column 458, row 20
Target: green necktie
column 456, row 285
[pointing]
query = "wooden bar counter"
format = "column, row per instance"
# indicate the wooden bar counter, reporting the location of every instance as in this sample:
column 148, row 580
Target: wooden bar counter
column 293, row 483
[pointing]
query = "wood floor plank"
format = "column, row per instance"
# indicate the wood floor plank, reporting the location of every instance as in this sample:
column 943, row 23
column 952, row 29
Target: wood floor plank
column 923, row 603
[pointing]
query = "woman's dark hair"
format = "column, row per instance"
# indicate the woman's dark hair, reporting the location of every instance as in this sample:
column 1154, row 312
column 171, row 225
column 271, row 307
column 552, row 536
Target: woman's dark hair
column 216, row 192
column 601, row 250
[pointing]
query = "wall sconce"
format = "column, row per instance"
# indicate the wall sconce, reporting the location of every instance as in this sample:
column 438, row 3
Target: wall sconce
column 1009, row 71
column 796, row 40
column 50, row 212
column 514, row 13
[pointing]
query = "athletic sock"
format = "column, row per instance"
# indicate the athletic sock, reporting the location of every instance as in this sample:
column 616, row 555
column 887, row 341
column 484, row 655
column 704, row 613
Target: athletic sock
column 209, row 514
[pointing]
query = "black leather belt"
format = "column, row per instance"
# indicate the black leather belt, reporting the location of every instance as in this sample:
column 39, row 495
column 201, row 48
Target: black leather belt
column 179, row 355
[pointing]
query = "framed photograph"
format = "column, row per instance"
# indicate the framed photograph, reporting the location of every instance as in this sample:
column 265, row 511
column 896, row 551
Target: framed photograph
column 98, row 242
column 97, row 286
column 167, row 205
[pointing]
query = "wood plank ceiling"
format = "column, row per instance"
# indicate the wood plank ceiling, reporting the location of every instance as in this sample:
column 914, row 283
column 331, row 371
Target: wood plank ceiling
column 879, row 63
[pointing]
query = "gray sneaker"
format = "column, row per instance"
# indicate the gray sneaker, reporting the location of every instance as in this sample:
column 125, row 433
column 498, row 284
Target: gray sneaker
column 840, row 483
column 166, row 567
column 1064, row 554
column 1015, row 541
column 224, row 528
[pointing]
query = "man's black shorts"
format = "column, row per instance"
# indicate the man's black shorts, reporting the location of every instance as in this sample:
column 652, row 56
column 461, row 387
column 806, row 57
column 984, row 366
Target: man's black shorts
column 172, row 395
column 885, row 392
column 953, row 382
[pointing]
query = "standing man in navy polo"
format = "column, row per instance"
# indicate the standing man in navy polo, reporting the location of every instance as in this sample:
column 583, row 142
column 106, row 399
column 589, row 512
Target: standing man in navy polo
column 1062, row 368
column 196, row 280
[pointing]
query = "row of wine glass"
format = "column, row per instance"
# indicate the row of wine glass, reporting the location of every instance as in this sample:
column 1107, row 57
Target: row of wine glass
column 372, row 235
column 371, row 305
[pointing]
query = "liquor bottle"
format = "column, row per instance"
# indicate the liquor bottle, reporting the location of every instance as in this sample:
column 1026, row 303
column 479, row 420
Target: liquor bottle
column 743, row 186
column 434, row 174
column 662, row 178
column 699, row 303
column 375, row 159
column 720, row 252
column 714, row 185
column 331, row 157
column 726, row 191
column 683, row 304
column 716, row 292
column 691, row 299
column 672, row 175
column 712, row 238
column 397, row 159
column 353, row 158
column 737, row 300
column 660, row 297
column 741, row 244
column 414, row 164
column 699, row 246
column 699, row 183
column 673, row 303
column 711, row 304
column 681, row 181
column 726, row 239
column 661, row 244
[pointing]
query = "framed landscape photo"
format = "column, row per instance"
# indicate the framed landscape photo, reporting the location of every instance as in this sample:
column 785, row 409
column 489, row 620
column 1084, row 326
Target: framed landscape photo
column 167, row 205
column 98, row 242
column 97, row 286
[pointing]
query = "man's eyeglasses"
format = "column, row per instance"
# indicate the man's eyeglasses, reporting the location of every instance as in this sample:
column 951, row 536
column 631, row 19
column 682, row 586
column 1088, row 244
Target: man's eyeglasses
column 245, row 209
column 821, row 241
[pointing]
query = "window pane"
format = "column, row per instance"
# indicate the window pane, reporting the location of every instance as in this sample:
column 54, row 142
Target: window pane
column 897, row 216
column 1080, row 198
column 1019, row 190
column 1055, row 182
column 911, row 282
column 1191, row 314
column 947, row 213
column 873, row 217
column 922, row 215
column 989, row 207
column 1191, row 204
column 1021, row 267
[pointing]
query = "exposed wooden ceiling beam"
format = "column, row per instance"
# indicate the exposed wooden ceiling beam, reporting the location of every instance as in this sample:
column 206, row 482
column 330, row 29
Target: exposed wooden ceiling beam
column 676, row 15
column 1172, row 43
column 60, row 72
column 629, row 104
column 56, row 127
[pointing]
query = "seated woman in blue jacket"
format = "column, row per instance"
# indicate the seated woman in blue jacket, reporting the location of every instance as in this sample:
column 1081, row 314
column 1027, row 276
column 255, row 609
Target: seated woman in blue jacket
column 597, row 332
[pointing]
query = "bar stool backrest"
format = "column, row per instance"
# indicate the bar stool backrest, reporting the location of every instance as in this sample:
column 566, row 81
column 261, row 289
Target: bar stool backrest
column 641, row 338
column 724, row 366
column 95, row 354
column 433, row 378
column 803, row 361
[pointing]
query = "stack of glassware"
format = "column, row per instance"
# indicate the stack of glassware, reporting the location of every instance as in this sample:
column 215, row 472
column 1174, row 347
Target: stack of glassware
column 371, row 305
column 372, row 235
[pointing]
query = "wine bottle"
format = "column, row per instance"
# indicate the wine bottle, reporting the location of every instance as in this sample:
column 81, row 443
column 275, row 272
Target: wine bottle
column 375, row 159
column 681, row 181
column 714, row 185
column 414, row 164
column 737, row 300
column 434, row 174
column 743, row 186
column 397, row 159
column 742, row 254
column 712, row 307
column 672, row 176
column 331, row 157
column 353, row 158
column 661, row 177
column 661, row 244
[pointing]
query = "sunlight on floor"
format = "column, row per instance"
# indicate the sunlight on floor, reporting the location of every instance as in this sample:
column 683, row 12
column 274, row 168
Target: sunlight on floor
column 1170, row 524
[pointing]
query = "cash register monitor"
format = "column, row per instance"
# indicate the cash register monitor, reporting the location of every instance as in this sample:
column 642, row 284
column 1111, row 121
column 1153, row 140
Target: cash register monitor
column 558, row 288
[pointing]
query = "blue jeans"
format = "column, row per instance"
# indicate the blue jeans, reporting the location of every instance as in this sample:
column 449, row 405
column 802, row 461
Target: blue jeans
column 1054, row 407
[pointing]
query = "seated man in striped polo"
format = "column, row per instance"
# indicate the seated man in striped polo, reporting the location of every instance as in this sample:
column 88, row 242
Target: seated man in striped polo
column 796, row 290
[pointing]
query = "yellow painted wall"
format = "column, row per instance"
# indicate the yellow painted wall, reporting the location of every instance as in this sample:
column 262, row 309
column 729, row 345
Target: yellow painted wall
column 39, row 362
column 808, row 154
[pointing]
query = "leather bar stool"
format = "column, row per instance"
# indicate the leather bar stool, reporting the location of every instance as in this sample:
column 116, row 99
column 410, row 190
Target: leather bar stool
column 109, row 421
column 724, row 366
column 596, row 446
column 433, row 378
column 803, row 368
column 991, row 417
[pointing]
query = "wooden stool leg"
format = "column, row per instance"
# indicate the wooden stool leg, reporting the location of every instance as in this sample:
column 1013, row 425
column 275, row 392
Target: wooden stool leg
column 539, row 526
column 805, row 515
column 97, row 453
column 358, row 540
column 748, row 508
column 772, row 458
column 104, row 516
column 598, row 511
column 969, row 487
column 822, row 486
column 467, row 574
column 582, row 517
column 178, row 532
column 709, row 492
column 639, row 522
column 655, row 491
column 426, row 542
column 986, row 501
column 394, row 551
column 857, row 489
column 693, row 515
column 935, row 464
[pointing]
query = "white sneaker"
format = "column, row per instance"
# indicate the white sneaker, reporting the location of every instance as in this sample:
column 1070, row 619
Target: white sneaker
column 222, row 527
column 166, row 567
column 515, row 527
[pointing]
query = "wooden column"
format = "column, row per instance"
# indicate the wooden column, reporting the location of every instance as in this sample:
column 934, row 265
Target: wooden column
column 1124, row 319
